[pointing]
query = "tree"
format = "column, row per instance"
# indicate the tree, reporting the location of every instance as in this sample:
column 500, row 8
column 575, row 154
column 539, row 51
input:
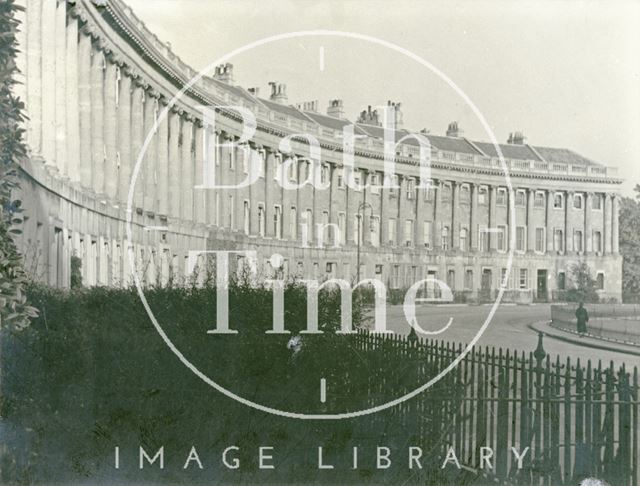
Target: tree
column 585, row 289
column 630, row 246
column 14, row 309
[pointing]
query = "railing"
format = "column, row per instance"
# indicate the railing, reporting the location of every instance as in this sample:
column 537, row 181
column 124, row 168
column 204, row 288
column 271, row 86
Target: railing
column 615, row 322
column 577, row 420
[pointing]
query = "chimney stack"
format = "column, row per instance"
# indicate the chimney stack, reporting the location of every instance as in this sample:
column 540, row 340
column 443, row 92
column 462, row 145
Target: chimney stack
column 453, row 130
column 516, row 138
column 396, row 113
column 335, row 109
column 254, row 91
column 369, row 117
column 278, row 92
column 224, row 73
column 308, row 106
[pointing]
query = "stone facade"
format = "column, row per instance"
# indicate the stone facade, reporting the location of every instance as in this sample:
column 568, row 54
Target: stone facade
column 95, row 82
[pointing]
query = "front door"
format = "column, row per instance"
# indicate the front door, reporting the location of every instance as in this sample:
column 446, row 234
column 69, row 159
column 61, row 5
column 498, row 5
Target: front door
column 485, row 284
column 541, row 288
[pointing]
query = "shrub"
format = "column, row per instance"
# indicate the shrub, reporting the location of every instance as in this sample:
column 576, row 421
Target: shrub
column 14, row 310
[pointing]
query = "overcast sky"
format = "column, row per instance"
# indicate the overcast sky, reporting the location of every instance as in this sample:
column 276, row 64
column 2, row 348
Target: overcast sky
column 567, row 74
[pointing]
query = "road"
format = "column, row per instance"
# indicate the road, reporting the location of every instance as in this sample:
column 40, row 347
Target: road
column 507, row 329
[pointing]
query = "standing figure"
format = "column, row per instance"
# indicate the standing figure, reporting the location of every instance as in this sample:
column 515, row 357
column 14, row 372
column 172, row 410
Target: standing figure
column 582, row 317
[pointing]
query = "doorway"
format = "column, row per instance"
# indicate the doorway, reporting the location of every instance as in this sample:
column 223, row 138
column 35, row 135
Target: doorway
column 541, row 287
column 485, row 284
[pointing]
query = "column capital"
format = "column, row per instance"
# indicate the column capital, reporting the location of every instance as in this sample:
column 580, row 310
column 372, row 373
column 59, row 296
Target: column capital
column 176, row 109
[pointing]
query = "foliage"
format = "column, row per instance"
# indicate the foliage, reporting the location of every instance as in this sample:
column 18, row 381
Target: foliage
column 76, row 272
column 584, row 285
column 93, row 370
column 630, row 247
column 14, row 310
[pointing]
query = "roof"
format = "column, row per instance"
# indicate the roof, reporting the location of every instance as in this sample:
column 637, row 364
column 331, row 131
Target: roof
column 453, row 144
column 446, row 143
column 564, row 156
column 510, row 151
column 332, row 122
column 285, row 109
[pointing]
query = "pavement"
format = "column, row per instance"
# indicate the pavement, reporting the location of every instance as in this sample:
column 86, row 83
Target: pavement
column 510, row 327
column 587, row 340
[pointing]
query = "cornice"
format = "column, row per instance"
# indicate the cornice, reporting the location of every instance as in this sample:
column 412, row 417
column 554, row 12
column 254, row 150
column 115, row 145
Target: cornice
column 115, row 13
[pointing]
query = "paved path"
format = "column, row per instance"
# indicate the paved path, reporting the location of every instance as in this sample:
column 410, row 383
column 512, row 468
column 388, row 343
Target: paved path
column 508, row 329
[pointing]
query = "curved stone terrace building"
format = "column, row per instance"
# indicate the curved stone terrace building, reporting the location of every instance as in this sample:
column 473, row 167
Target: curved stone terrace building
column 94, row 80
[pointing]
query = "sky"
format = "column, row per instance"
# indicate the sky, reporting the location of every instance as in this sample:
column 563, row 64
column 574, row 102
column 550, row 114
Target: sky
column 566, row 73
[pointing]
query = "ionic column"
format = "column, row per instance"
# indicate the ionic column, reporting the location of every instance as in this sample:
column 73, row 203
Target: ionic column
column 213, row 195
column 548, row 219
column 72, row 96
column 384, row 208
column 161, row 189
column 473, row 230
column 110, row 163
column 124, row 136
column 97, row 121
column 271, row 186
column 587, row 223
column 34, row 70
column 137, row 133
column 173, row 166
column 455, row 215
column 84, row 110
column 615, row 230
column 437, row 219
column 607, row 224
column 150, row 163
column 187, row 170
column 199, row 194
column 493, row 237
column 60, row 87
column 531, row 230
column 49, row 81
column 568, row 223
column 420, row 204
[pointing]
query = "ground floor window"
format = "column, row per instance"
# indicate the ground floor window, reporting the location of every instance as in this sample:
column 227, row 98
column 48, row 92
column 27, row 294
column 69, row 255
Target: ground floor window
column 600, row 281
column 395, row 278
column 451, row 279
column 468, row 280
column 503, row 278
column 561, row 281
column 524, row 277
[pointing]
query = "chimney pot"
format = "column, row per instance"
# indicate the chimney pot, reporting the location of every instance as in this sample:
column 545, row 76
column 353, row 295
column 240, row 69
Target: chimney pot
column 453, row 130
column 224, row 73
column 517, row 138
